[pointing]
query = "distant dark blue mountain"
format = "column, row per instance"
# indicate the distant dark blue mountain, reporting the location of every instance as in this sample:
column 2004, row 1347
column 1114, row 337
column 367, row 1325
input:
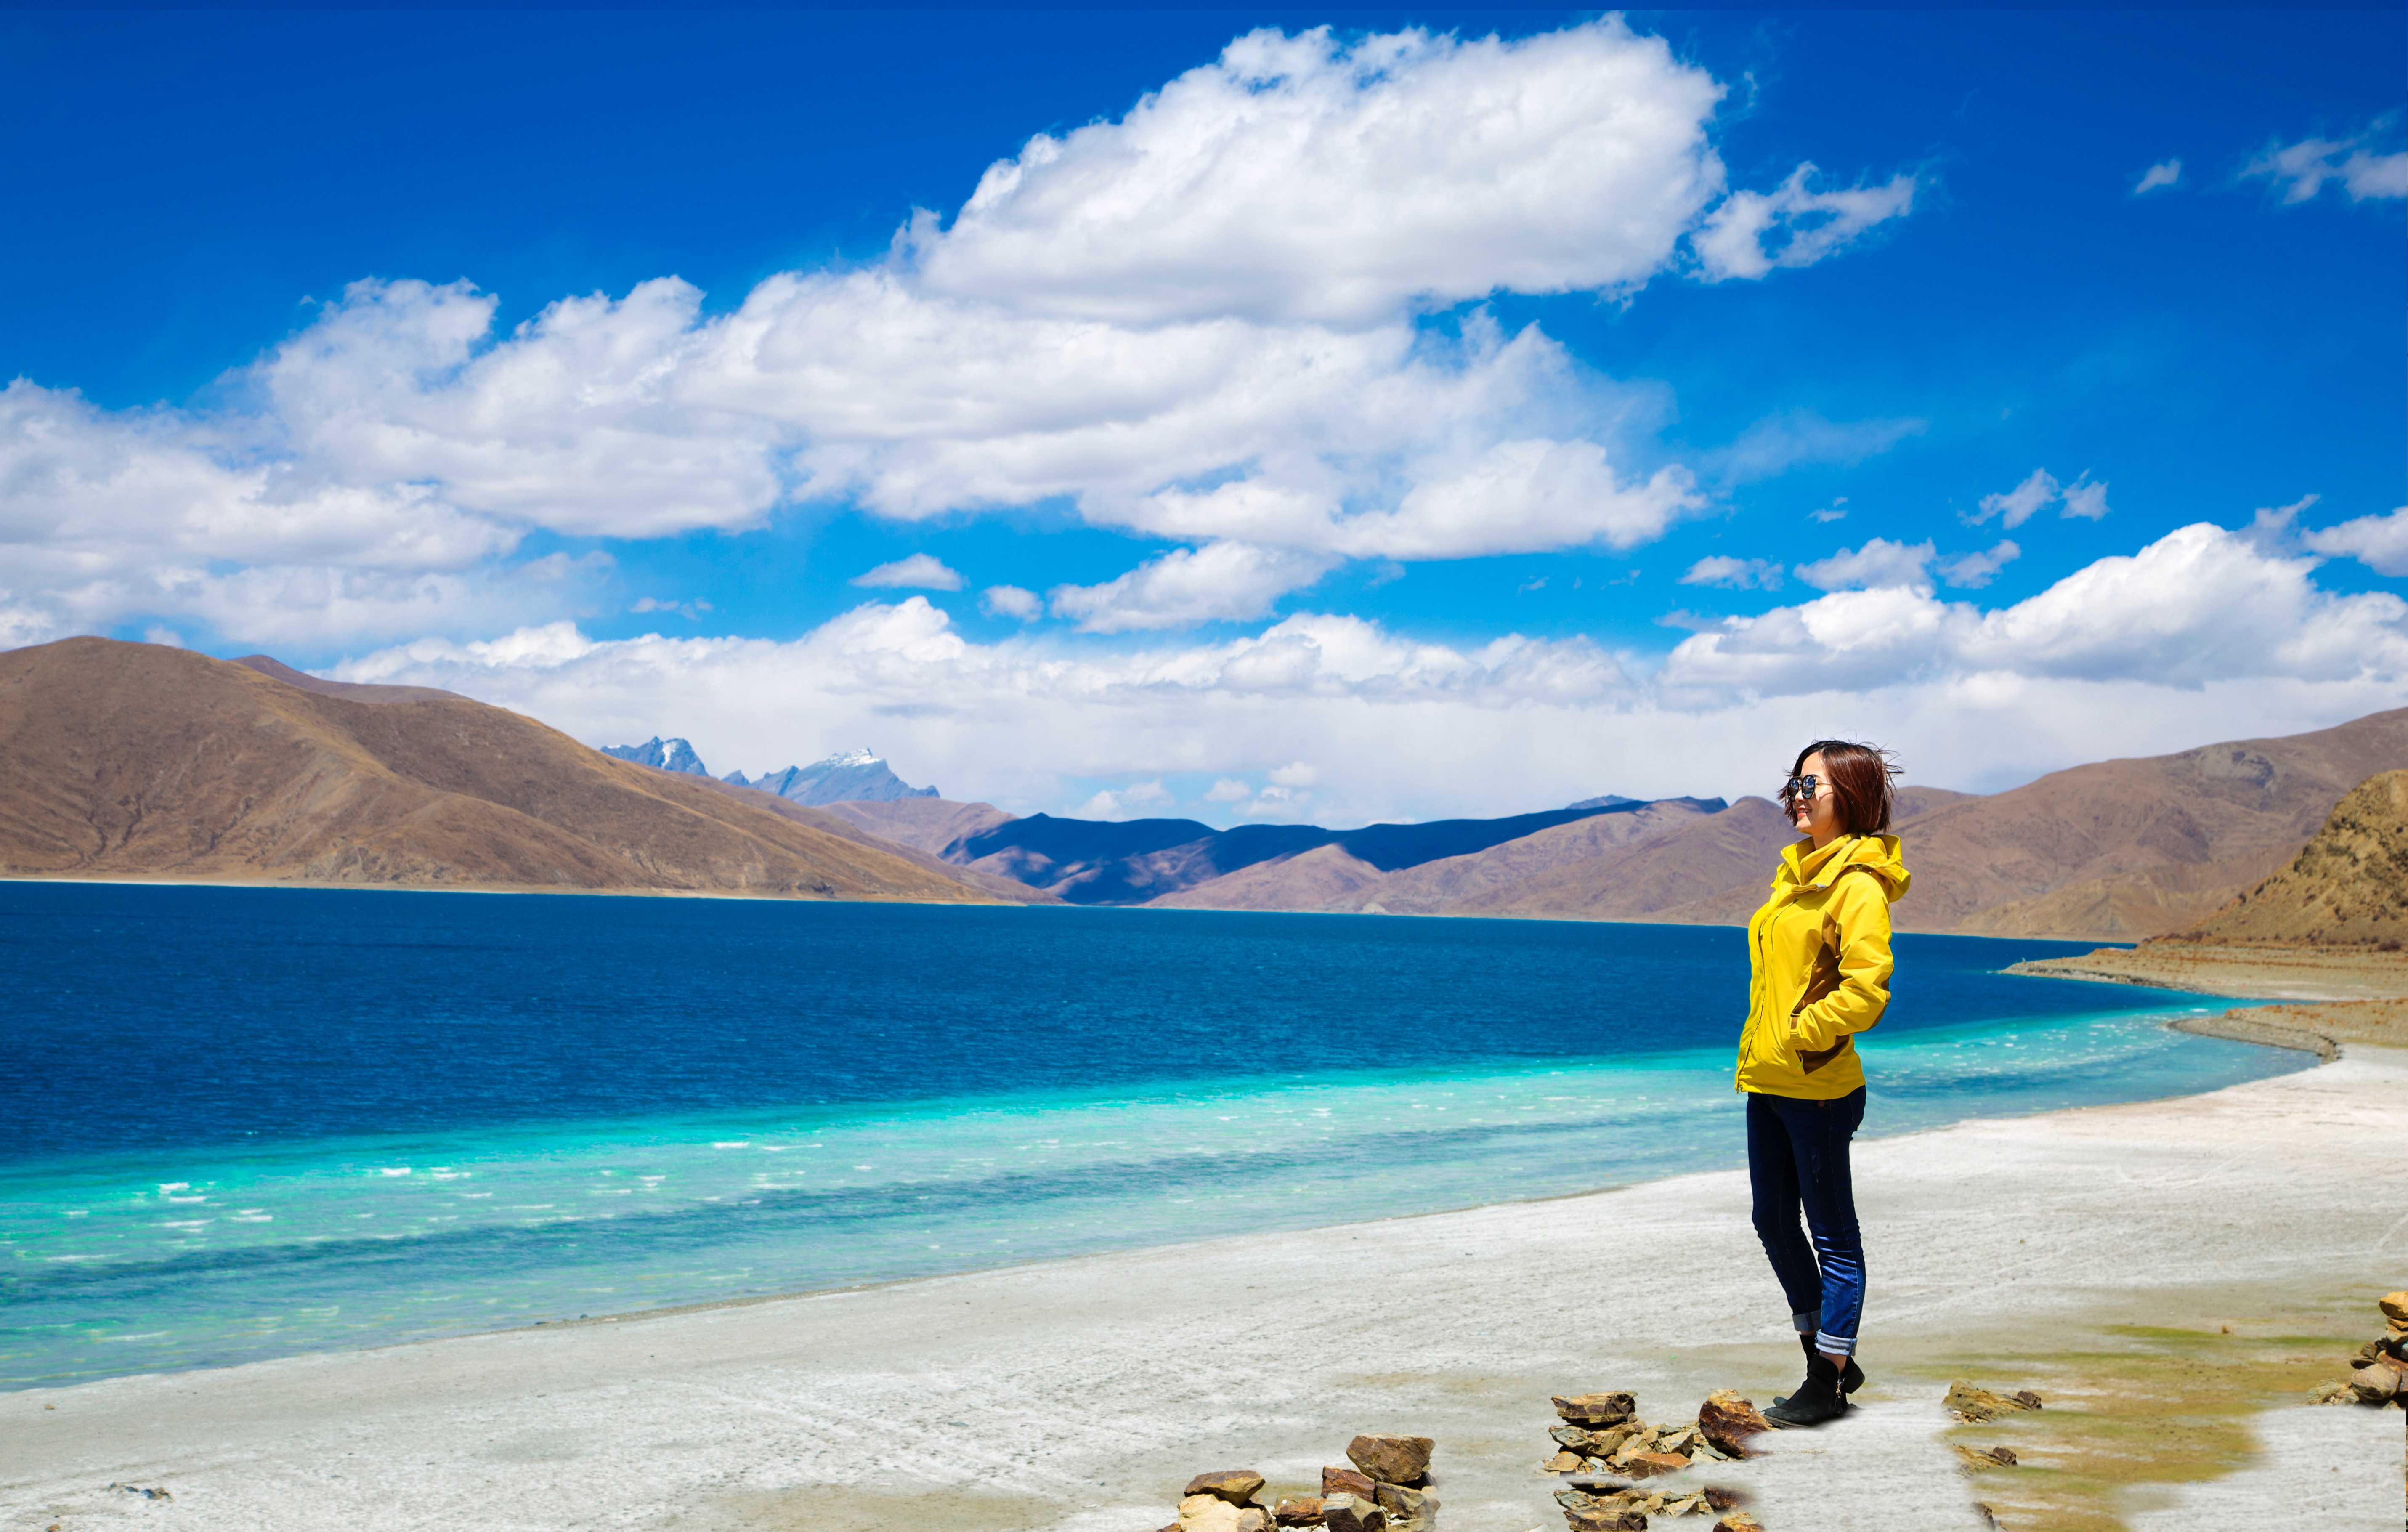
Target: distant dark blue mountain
column 1131, row 861
column 846, row 777
column 661, row 755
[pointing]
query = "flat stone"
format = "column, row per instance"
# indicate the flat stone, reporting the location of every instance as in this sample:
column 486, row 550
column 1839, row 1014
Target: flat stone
column 1607, row 1519
column 1392, row 1460
column 2394, row 1307
column 1564, row 1463
column 2376, row 1385
column 1402, row 1504
column 1720, row 1497
column 1351, row 1513
column 1238, row 1486
column 1206, row 1514
column 1979, row 1404
column 1596, row 1409
column 1235, row 1486
column 1347, row 1482
column 1986, row 1457
column 1648, row 1464
column 1593, row 1441
column 1739, row 1521
column 1727, row 1420
column 1299, row 1510
column 1253, row 1519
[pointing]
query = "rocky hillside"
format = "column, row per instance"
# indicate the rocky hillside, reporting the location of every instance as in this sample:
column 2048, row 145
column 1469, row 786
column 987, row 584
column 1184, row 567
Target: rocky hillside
column 2348, row 885
column 135, row 760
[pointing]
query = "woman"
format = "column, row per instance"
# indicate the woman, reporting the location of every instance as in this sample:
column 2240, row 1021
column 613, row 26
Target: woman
column 1820, row 954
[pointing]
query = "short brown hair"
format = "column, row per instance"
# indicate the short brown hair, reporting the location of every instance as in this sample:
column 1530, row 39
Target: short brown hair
column 1859, row 776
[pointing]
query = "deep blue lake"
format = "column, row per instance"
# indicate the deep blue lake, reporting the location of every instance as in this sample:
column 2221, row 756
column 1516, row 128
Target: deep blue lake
column 243, row 1123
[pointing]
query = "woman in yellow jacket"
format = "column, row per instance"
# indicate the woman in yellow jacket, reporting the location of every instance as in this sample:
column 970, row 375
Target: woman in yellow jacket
column 1819, row 948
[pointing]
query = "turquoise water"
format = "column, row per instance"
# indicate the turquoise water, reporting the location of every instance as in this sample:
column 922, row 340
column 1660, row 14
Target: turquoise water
column 257, row 1122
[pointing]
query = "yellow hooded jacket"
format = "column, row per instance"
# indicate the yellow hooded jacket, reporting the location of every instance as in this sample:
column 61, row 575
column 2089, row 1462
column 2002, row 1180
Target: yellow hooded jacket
column 1819, row 948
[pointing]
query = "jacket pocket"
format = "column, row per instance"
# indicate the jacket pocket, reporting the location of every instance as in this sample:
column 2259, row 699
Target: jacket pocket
column 1822, row 980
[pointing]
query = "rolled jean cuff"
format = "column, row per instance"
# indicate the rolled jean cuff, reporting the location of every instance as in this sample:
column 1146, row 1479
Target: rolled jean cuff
column 1834, row 1345
column 1804, row 1320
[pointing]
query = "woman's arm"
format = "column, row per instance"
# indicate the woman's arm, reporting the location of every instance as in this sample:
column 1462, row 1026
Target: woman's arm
column 1858, row 919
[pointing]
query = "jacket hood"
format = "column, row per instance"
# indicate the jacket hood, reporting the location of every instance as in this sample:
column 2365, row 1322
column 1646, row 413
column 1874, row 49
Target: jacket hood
column 1802, row 866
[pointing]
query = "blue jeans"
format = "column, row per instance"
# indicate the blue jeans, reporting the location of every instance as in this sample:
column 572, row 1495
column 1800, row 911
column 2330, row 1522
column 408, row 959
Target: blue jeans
column 1798, row 1157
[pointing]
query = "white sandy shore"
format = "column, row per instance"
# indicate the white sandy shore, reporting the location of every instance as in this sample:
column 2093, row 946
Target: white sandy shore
column 1079, row 1396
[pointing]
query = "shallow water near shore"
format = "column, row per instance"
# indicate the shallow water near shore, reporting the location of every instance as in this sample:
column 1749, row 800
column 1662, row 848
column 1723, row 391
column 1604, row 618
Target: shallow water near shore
column 248, row 1123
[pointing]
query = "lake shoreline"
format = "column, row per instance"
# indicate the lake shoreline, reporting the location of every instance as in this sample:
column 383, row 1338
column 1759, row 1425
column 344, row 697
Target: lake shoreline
column 1089, row 1388
column 2260, row 971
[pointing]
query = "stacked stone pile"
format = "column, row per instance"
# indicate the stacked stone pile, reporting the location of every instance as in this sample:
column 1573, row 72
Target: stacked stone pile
column 1603, row 1446
column 1387, row 1490
column 1626, row 1510
column 1602, row 1434
column 1222, row 1502
column 2378, row 1373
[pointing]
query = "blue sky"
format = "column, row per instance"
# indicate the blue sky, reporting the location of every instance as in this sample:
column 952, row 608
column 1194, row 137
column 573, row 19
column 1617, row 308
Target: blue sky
column 1377, row 477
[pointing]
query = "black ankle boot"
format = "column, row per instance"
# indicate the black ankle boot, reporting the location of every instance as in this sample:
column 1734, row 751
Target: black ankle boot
column 1852, row 1377
column 1818, row 1400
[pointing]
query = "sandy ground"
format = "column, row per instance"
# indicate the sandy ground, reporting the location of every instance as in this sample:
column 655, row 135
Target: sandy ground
column 1079, row 1396
column 2323, row 1030
column 2256, row 972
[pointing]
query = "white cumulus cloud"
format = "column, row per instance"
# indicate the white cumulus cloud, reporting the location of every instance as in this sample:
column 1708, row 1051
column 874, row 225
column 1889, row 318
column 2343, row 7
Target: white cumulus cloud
column 1198, row 322
column 2199, row 605
column 1735, row 574
column 919, row 572
column 2085, row 499
column 2300, row 170
column 1306, row 179
column 2200, row 636
column 1011, row 601
column 2379, row 542
column 1221, row 582
column 1971, row 571
column 1754, row 232
column 1879, row 564
column 2018, row 505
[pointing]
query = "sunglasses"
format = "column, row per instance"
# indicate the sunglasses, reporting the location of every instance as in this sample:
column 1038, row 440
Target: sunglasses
column 1800, row 789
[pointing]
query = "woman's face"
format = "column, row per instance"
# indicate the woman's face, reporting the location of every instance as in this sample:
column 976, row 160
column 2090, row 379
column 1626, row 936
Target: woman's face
column 1817, row 816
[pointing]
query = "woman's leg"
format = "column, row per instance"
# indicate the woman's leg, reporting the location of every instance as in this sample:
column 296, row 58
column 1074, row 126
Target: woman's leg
column 1773, row 1176
column 1819, row 1136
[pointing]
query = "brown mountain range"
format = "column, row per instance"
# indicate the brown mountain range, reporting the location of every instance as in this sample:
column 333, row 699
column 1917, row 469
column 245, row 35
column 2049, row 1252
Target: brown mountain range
column 135, row 760
column 2119, row 851
column 2114, row 851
